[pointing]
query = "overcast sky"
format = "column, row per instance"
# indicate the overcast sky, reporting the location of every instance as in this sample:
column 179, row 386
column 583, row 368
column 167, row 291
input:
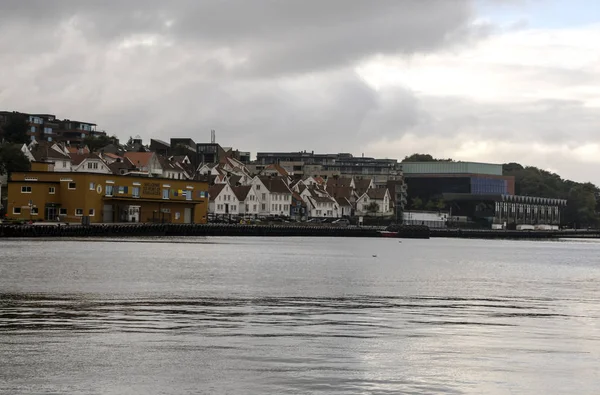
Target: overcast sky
column 482, row 80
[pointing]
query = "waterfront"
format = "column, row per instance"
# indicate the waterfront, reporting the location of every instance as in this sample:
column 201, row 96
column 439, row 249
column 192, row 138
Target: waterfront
column 299, row 315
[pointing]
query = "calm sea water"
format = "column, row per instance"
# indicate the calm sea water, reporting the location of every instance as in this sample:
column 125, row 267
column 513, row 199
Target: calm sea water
column 299, row 315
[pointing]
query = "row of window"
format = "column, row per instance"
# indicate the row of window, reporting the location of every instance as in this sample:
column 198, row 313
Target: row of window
column 283, row 207
column 109, row 190
column 51, row 190
column 61, row 211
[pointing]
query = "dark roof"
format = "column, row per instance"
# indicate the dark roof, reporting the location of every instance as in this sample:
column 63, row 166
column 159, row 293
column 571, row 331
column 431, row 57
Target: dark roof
column 234, row 179
column 275, row 184
column 166, row 164
column 345, row 192
column 179, row 158
column 342, row 201
column 338, row 182
column 376, row 193
column 362, row 185
column 214, row 190
column 322, row 199
column 241, row 192
column 43, row 151
column 116, row 166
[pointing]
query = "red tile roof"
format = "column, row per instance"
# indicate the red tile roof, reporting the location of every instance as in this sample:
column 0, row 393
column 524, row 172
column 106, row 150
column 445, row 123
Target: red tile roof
column 140, row 159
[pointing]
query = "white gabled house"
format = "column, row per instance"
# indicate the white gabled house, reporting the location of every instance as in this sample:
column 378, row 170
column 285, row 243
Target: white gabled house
column 274, row 195
column 222, row 200
column 89, row 163
column 249, row 205
column 319, row 204
column 376, row 201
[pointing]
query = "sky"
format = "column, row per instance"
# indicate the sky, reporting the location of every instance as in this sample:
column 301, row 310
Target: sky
column 474, row 80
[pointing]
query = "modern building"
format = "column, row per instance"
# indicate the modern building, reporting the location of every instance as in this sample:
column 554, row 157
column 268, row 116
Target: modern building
column 430, row 180
column 505, row 211
column 105, row 198
column 477, row 193
column 46, row 127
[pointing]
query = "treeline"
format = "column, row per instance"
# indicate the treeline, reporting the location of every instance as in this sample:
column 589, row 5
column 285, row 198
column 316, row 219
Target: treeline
column 583, row 199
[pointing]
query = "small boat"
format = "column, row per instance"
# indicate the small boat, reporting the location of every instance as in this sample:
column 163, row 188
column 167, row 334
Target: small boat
column 387, row 233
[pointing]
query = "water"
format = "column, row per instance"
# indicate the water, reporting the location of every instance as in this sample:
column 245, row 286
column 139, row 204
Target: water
column 299, row 315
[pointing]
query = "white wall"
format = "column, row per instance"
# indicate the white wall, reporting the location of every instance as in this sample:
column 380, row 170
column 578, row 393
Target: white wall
column 225, row 202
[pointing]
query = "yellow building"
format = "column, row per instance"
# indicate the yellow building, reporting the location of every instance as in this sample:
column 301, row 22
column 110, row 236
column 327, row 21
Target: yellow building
column 105, row 198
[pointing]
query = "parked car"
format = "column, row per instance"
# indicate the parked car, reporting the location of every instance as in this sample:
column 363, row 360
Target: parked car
column 341, row 222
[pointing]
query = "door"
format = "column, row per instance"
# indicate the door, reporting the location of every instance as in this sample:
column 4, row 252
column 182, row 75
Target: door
column 50, row 213
column 107, row 214
column 187, row 215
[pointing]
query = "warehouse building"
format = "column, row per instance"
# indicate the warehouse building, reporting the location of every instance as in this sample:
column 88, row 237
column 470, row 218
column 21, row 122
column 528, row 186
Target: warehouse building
column 105, row 198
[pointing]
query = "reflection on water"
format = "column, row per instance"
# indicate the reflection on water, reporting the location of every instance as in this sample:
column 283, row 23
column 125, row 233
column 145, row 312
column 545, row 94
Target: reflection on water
column 299, row 316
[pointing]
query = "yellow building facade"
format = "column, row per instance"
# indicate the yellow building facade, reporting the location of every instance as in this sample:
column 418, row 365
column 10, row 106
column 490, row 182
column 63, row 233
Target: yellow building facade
column 105, row 198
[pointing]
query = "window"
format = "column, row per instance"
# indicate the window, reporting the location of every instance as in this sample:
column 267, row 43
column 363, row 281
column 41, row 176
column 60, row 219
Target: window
column 47, row 130
column 122, row 190
column 247, row 207
column 258, row 187
column 72, row 185
column 34, row 211
column 78, row 212
column 64, row 164
column 188, row 195
column 264, row 196
column 25, row 189
column 135, row 192
column 16, row 210
column 264, row 206
column 62, row 211
column 109, row 190
column 51, row 190
column 255, row 207
column 33, row 129
column 92, row 212
column 165, row 194
column 92, row 186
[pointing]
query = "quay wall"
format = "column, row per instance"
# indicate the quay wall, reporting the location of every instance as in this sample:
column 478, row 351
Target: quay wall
column 140, row 230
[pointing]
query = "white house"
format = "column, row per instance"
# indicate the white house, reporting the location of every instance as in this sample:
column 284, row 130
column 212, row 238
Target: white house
column 53, row 153
column 248, row 202
column 319, row 204
column 274, row 195
column 89, row 163
column 146, row 162
column 222, row 200
column 380, row 197
column 171, row 169
column 345, row 206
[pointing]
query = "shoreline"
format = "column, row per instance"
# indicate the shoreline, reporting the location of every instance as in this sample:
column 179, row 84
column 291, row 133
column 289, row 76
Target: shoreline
column 235, row 230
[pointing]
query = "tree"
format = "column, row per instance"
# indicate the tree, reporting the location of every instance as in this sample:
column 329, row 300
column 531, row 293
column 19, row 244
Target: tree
column 440, row 204
column 424, row 158
column 373, row 208
column 430, row 206
column 417, row 203
column 12, row 159
column 94, row 143
column 15, row 131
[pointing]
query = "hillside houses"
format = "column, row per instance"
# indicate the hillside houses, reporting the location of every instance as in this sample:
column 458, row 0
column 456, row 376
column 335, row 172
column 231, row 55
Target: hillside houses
column 236, row 188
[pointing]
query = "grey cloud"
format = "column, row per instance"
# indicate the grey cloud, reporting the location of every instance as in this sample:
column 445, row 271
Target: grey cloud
column 273, row 36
